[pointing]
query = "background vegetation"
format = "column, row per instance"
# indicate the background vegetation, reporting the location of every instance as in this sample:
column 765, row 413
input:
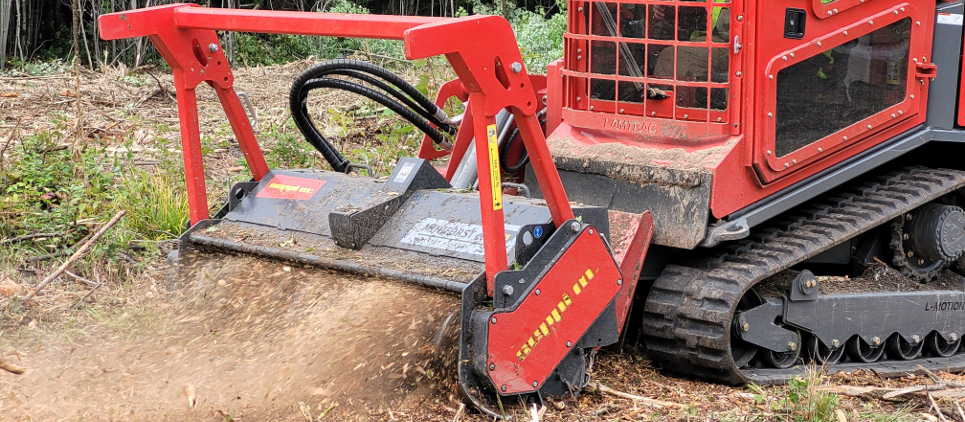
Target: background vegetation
column 41, row 30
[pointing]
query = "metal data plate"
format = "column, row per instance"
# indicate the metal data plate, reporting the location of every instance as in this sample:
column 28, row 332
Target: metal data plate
column 448, row 224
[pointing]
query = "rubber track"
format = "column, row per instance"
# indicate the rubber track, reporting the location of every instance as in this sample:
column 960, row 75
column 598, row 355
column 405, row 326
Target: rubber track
column 687, row 317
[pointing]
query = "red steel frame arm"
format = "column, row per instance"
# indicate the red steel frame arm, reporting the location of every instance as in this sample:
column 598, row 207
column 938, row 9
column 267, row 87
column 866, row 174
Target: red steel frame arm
column 481, row 49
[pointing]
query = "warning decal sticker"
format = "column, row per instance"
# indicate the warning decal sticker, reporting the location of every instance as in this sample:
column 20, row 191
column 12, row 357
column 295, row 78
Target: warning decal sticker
column 494, row 168
column 290, row 187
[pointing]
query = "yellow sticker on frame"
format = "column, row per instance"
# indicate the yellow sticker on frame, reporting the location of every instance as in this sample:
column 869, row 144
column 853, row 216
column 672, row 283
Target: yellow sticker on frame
column 494, row 168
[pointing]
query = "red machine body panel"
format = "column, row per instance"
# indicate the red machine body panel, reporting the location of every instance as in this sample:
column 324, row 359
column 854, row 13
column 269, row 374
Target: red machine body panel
column 554, row 316
column 758, row 101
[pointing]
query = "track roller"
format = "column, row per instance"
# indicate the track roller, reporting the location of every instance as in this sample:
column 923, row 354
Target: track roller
column 821, row 354
column 899, row 348
column 782, row 360
column 939, row 347
column 861, row 351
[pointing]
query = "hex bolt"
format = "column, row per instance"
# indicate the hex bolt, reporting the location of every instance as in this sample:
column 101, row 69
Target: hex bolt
column 792, row 345
column 537, row 292
column 591, row 231
column 746, row 327
column 492, row 366
column 516, row 67
column 493, row 320
column 575, row 226
column 738, row 73
column 508, row 290
column 911, row 254
column 569, row 343
column 915, row 339
column 905, row 236
column 909, row 217
column 212, row 48
column 953, row 336
column 503, row 387
column 876, row 341
column 835, row 343
column 535, row 383
column 619, row 282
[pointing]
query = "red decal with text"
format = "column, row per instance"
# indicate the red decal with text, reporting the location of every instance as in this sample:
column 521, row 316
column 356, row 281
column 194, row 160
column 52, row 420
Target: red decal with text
column 290, row 187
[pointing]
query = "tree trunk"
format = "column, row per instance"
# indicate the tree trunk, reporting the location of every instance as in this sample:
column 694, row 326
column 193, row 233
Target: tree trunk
column 5, row 8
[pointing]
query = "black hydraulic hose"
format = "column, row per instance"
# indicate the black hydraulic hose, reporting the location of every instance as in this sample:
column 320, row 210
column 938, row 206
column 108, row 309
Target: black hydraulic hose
column 341, row 65
column 440, row 125
column 419, row 109
column 524, row 158
column 380, row 98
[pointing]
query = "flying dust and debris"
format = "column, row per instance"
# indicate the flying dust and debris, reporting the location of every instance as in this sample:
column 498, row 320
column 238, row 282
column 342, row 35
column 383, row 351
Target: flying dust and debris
column 248, row 339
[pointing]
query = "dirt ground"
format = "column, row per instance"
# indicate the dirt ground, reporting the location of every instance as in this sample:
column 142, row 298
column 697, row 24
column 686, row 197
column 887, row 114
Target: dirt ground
column 235, row 338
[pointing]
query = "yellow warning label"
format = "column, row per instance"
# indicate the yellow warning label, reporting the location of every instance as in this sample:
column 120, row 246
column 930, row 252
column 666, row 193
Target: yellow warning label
column 494, row 168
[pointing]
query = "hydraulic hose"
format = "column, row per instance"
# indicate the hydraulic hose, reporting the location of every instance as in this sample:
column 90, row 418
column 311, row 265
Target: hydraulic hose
column 390, row 90
column 524, row 157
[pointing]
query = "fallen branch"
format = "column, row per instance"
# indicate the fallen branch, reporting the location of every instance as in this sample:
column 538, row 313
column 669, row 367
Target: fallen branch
column 45, row 257
column 605, row 409
column 82, row 279
column 81, row 251
column 939, row 380
column 11, row 368
column 941, row 416
column 462, row 408
column 28, row 237
column 657, row 404
column 914, row 389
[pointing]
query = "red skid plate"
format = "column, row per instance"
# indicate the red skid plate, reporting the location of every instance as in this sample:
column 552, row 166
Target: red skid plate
column 526, row 344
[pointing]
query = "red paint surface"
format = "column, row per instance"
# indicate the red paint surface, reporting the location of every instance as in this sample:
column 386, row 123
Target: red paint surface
column 513, row 329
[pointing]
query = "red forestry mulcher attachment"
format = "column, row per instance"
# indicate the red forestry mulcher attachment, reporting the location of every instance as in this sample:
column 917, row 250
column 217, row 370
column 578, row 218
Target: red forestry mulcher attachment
column 753, row 143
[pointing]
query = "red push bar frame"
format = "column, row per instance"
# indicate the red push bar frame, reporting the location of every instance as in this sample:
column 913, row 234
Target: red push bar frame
column 480, row 49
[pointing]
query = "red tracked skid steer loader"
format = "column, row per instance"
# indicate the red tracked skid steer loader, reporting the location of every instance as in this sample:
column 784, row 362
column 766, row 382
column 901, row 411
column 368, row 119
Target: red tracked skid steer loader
column 754, row 143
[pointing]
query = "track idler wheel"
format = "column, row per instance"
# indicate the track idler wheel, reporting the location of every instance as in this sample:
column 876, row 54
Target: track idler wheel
column 861, row 351
column 939, row 347
column 782, row 360
column 742, row 351
column 899, row 348
column 820, row 353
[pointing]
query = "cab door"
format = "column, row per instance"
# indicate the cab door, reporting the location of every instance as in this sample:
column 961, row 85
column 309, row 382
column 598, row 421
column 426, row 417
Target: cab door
column 833, row 77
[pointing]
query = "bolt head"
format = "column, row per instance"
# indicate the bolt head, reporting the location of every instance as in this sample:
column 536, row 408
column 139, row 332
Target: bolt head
column 915, row 339
column 576, row 226
column 212, row 48
column 876, row 341
column 792, row 345
column 537, row 292
column 835, row 343
column 954, row 336
column 619, row 282
column 746, row 327
column 503, row 387
column 569, row 343
column 516, row 67
column 535, row 383
column 493, row 320
column 508, row 290
column 492, row 366
column 591, row 231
